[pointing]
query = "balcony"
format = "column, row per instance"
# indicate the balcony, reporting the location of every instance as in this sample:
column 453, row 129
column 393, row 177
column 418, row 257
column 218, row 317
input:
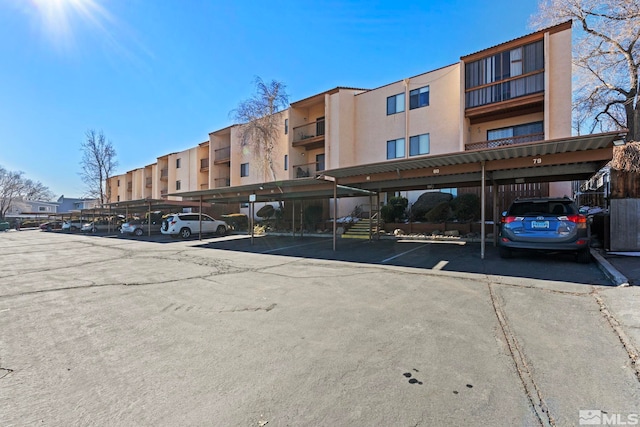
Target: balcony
column 204, row 165
column 307, row 169
column 148, row 182
column 222, row 155
column 507, row 98
column 309, row 136
column 164, row 174
column 494, row 143
column 222, row 182
column 129, row 186
column 163, row 193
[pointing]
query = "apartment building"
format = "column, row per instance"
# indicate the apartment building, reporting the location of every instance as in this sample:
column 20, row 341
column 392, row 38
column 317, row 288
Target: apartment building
column 513, row 93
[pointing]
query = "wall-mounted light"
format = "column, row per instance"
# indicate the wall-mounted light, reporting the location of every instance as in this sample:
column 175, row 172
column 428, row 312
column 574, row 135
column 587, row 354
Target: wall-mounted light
column 618, row 142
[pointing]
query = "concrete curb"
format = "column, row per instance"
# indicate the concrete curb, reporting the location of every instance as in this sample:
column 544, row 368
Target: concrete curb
column 609, row 270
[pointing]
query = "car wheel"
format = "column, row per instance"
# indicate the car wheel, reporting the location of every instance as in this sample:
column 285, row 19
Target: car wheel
column 48, row 228
column 504, row 252
column 185, row 233
column 584, row 256
column 221, row 230
column 138, row 232
column 73, row 228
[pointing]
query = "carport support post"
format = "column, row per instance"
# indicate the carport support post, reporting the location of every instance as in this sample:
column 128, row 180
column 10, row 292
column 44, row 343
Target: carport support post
column 293, row 218
column 200, row 216
column 494, row 191
column 251, row 220
column 301, row 219
column 149, row 221
column 335, row 212
column 370, row 213
column 482, row 211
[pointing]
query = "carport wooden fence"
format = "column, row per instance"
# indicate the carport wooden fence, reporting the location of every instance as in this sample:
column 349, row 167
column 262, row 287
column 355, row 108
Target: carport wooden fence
column 624, row 211
column 507, row 194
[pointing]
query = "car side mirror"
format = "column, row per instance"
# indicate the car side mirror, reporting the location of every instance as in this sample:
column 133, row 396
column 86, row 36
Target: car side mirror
column 504, row 213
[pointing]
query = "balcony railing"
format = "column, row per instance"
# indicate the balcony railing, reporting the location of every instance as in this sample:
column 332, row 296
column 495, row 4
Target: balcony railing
column 222, row 182
column 164, row 174
column 505, row 90
column 222, row 155
column 129, row 186
column 522, row 139
column 204, row 164
column 163, row 193
column 148, row 182
column 307, row 169
column 311, row 134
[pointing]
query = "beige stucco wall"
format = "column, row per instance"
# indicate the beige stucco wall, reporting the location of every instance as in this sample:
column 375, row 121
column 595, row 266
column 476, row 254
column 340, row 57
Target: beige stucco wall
column 440, row 119
column 558, row 84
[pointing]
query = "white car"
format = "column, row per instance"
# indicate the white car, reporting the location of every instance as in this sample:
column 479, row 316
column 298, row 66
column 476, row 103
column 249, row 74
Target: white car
column 74, row 225
column 186, row 224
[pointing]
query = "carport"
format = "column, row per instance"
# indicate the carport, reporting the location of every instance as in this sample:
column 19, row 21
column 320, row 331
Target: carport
column 565, row 159
column 150, row 205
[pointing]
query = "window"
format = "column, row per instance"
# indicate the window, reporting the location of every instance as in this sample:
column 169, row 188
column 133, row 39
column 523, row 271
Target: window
column 319, row 162
column 178, row 163
column 419, row 98
column 42, row 209
column 178, row 185
column 286, row 162
column 244, row 169
column 395, row 104
column 118, row 198
column 286, row 126
column 419, row 145
column 534, row 131
column 395, row 148
column 526, row 61
column 118, row 183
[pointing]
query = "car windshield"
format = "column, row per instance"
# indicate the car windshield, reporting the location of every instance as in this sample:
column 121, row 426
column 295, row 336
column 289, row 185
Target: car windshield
column 547, row 207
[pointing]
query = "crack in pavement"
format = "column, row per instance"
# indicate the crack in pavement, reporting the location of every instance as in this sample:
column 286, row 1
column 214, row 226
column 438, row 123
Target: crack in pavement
column 236, row 310
column 532, row 391
column 627, row 344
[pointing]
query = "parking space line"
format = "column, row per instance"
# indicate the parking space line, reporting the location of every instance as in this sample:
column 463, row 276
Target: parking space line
column 440, row 265
column 289, row 247
column 400, row 254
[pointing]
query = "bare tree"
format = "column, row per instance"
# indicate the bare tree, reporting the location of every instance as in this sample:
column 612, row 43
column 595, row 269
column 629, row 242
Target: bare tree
column 261, row 125
column 98, row 164
column 606, row 56
column 14, row 187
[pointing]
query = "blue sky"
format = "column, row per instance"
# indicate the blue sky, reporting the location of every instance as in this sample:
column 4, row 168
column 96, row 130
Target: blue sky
column 156, row 76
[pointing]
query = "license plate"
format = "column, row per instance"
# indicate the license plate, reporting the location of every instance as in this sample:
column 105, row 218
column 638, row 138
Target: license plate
column 539, row 224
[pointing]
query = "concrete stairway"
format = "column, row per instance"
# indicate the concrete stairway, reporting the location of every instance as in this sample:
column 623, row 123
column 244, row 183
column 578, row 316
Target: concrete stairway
column 360, row 230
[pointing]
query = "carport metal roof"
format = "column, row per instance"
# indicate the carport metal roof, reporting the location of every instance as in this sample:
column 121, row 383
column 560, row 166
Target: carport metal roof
column 562, row 159
column 144, row 205
column 543, row 161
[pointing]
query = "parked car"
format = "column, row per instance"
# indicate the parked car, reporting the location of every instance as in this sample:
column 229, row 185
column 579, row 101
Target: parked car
column 95, row 226
column 544, row 224
column 4, row 226
column 186, row 224
column 140, row 227
column 51, row 225
column 71, row 225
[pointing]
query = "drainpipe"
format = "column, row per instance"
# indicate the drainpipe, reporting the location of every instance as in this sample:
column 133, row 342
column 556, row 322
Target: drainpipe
column 482, row 212
column 406, row 118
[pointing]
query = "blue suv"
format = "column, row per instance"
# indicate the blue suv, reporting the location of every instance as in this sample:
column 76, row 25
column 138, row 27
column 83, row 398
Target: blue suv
column 544, row 224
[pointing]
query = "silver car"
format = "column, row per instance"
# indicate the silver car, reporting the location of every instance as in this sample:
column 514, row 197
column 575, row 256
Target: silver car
column 186, row 224
column 139, row 227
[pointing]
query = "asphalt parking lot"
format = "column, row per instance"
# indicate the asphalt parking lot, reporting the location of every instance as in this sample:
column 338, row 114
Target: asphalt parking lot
column 111, row 330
